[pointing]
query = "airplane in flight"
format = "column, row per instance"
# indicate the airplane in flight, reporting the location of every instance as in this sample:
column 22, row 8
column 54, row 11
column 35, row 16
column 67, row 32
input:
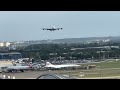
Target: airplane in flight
column 52, row 28
column 49, row 65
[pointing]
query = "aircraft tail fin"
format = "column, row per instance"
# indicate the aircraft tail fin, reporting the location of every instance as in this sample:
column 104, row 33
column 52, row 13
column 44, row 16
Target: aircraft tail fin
column 30, row 66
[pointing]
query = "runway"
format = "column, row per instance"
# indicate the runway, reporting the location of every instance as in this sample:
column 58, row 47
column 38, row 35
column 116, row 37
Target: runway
column 110, row 77
column 35, row 74
column 28, row 74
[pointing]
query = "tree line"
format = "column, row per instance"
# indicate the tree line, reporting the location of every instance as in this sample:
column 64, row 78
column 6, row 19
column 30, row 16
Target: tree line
column 52, row 51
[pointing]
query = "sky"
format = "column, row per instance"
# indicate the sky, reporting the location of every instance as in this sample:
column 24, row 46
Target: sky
column 27, row 25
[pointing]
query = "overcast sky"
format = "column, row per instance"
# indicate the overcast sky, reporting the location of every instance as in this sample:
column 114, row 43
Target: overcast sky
column 26, row 25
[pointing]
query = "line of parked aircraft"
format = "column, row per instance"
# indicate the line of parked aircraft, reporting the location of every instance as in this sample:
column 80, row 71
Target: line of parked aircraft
column 48, row 65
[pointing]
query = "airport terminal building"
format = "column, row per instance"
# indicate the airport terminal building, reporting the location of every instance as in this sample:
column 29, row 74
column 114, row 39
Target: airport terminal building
column 10, row 56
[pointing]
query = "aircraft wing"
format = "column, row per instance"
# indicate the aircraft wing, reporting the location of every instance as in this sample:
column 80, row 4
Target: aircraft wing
column 46, row 28
column 58, row 28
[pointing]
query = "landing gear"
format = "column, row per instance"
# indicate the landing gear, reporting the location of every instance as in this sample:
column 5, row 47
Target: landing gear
column 14, row 70
column 22, row 70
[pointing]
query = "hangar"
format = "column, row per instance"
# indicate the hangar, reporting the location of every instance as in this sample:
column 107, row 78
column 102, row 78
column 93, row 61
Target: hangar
column 10, row 56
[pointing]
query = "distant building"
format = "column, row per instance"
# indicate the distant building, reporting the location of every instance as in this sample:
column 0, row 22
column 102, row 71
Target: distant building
column 10, row 56
column 6, row 44
column 12, row 47
column 1, row 44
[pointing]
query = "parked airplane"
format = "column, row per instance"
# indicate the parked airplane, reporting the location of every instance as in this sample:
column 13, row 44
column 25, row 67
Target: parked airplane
column 12, row 68
column 52, row 28
column 17, row 68
column 49, row 65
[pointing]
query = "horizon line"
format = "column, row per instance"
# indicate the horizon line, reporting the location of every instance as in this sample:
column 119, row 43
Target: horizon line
column 57, row 38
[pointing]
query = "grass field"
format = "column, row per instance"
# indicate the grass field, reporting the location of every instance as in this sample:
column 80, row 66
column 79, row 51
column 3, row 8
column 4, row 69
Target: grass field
column 112, row 63
column 92, row 73
column 104, row 69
